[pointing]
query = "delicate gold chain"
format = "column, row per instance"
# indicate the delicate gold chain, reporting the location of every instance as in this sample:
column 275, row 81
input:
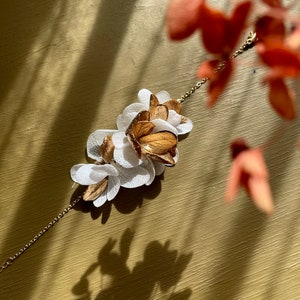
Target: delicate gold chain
column 249, row 43
column 11, row 259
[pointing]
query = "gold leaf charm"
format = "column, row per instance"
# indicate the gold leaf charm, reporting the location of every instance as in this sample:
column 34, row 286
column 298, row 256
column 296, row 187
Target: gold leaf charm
column 107, row 149
column 174, row 105
column 160, row 146
column 157, row 111
column 93, row 191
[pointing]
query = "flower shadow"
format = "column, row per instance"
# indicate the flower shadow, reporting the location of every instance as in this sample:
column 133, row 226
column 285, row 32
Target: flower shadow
column 127, row 200
column 159, row 272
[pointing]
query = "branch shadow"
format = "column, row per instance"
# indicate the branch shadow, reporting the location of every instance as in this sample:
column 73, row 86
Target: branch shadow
column 46, row 180
column 249, row 225
column 160, row 271
column 126, row 201
column 15, row 14
column 282, row 258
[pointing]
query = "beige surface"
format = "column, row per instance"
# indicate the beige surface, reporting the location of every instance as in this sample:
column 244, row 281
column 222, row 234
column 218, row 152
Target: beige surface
column 70, row 67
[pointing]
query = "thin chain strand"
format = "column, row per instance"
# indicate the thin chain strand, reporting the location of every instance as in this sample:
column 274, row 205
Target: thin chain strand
column 11, row 259
column 249, row 43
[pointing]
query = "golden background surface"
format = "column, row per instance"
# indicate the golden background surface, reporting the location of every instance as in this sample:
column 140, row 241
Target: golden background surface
column 68, row 68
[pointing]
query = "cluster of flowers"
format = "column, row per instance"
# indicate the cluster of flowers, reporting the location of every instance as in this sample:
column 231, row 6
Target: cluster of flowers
column 278, row 49
column 131, row 156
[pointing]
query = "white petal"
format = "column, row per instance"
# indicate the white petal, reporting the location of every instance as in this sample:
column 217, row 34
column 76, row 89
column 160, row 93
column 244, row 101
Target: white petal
column 82, row 174
column 148, row 165
column 74, row 170
column 126, row 157
column 101, row 199
column 120, row 139
column 174, row 118
column 124, row 154
column 94, row 142
column 163, row 96
column 129, row 113
column 133, row 177
column 159, row 167
column 144, row 97
column 176, row 157
column 162, row 125
column 99, row 172
column 113, row 187
column 186, row 127
column 108, row 169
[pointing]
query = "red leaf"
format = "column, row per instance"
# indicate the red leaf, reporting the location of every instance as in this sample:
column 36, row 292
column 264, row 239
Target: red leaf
column 270, row 30
column 237, row 23
column 282, row 99
column 207, row 69
column 218, row 80
column 219, row 32
column 282, row 60
column 213, row 25
column 182, row 18
column 249, row 170
column 273, row 3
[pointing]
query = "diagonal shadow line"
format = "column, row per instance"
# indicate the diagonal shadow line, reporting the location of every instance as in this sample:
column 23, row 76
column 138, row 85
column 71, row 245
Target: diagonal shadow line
column 202, row 204
column 16, row 13
column 227, row 280
column 147, row 57
column 98, row 59
column 9, row 130
column 282, row 258
column 230, row 272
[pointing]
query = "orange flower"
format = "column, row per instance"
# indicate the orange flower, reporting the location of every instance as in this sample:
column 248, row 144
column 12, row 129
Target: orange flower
column 282, row 98
column 249, row 170
column 276, row 51
column 217, row 80
column 220, row 34
column 182, row 18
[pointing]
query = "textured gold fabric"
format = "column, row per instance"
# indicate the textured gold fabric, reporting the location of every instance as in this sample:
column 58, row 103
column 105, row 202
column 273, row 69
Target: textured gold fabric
column 68, row 68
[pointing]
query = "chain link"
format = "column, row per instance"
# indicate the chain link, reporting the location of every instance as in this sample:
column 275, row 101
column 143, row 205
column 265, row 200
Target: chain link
column 249, row 43
column 11, row 259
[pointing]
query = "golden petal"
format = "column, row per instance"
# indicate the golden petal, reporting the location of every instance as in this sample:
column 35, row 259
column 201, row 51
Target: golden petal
column 141, row 116
column 158, row 143
column 174, row 104
column 159, row 112
column 107, row 149
column 163, row 158
column 153, row 100
column 95, row 190
column 139, row 129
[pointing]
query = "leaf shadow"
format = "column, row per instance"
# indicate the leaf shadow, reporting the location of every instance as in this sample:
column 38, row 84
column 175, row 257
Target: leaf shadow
column 159, row 272
column 126, row 201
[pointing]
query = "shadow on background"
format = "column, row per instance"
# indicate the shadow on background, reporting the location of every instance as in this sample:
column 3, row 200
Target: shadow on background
column 126, row 201
column 96, row 63
column 250, row 224
column 14, row 16
column 161, row 268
